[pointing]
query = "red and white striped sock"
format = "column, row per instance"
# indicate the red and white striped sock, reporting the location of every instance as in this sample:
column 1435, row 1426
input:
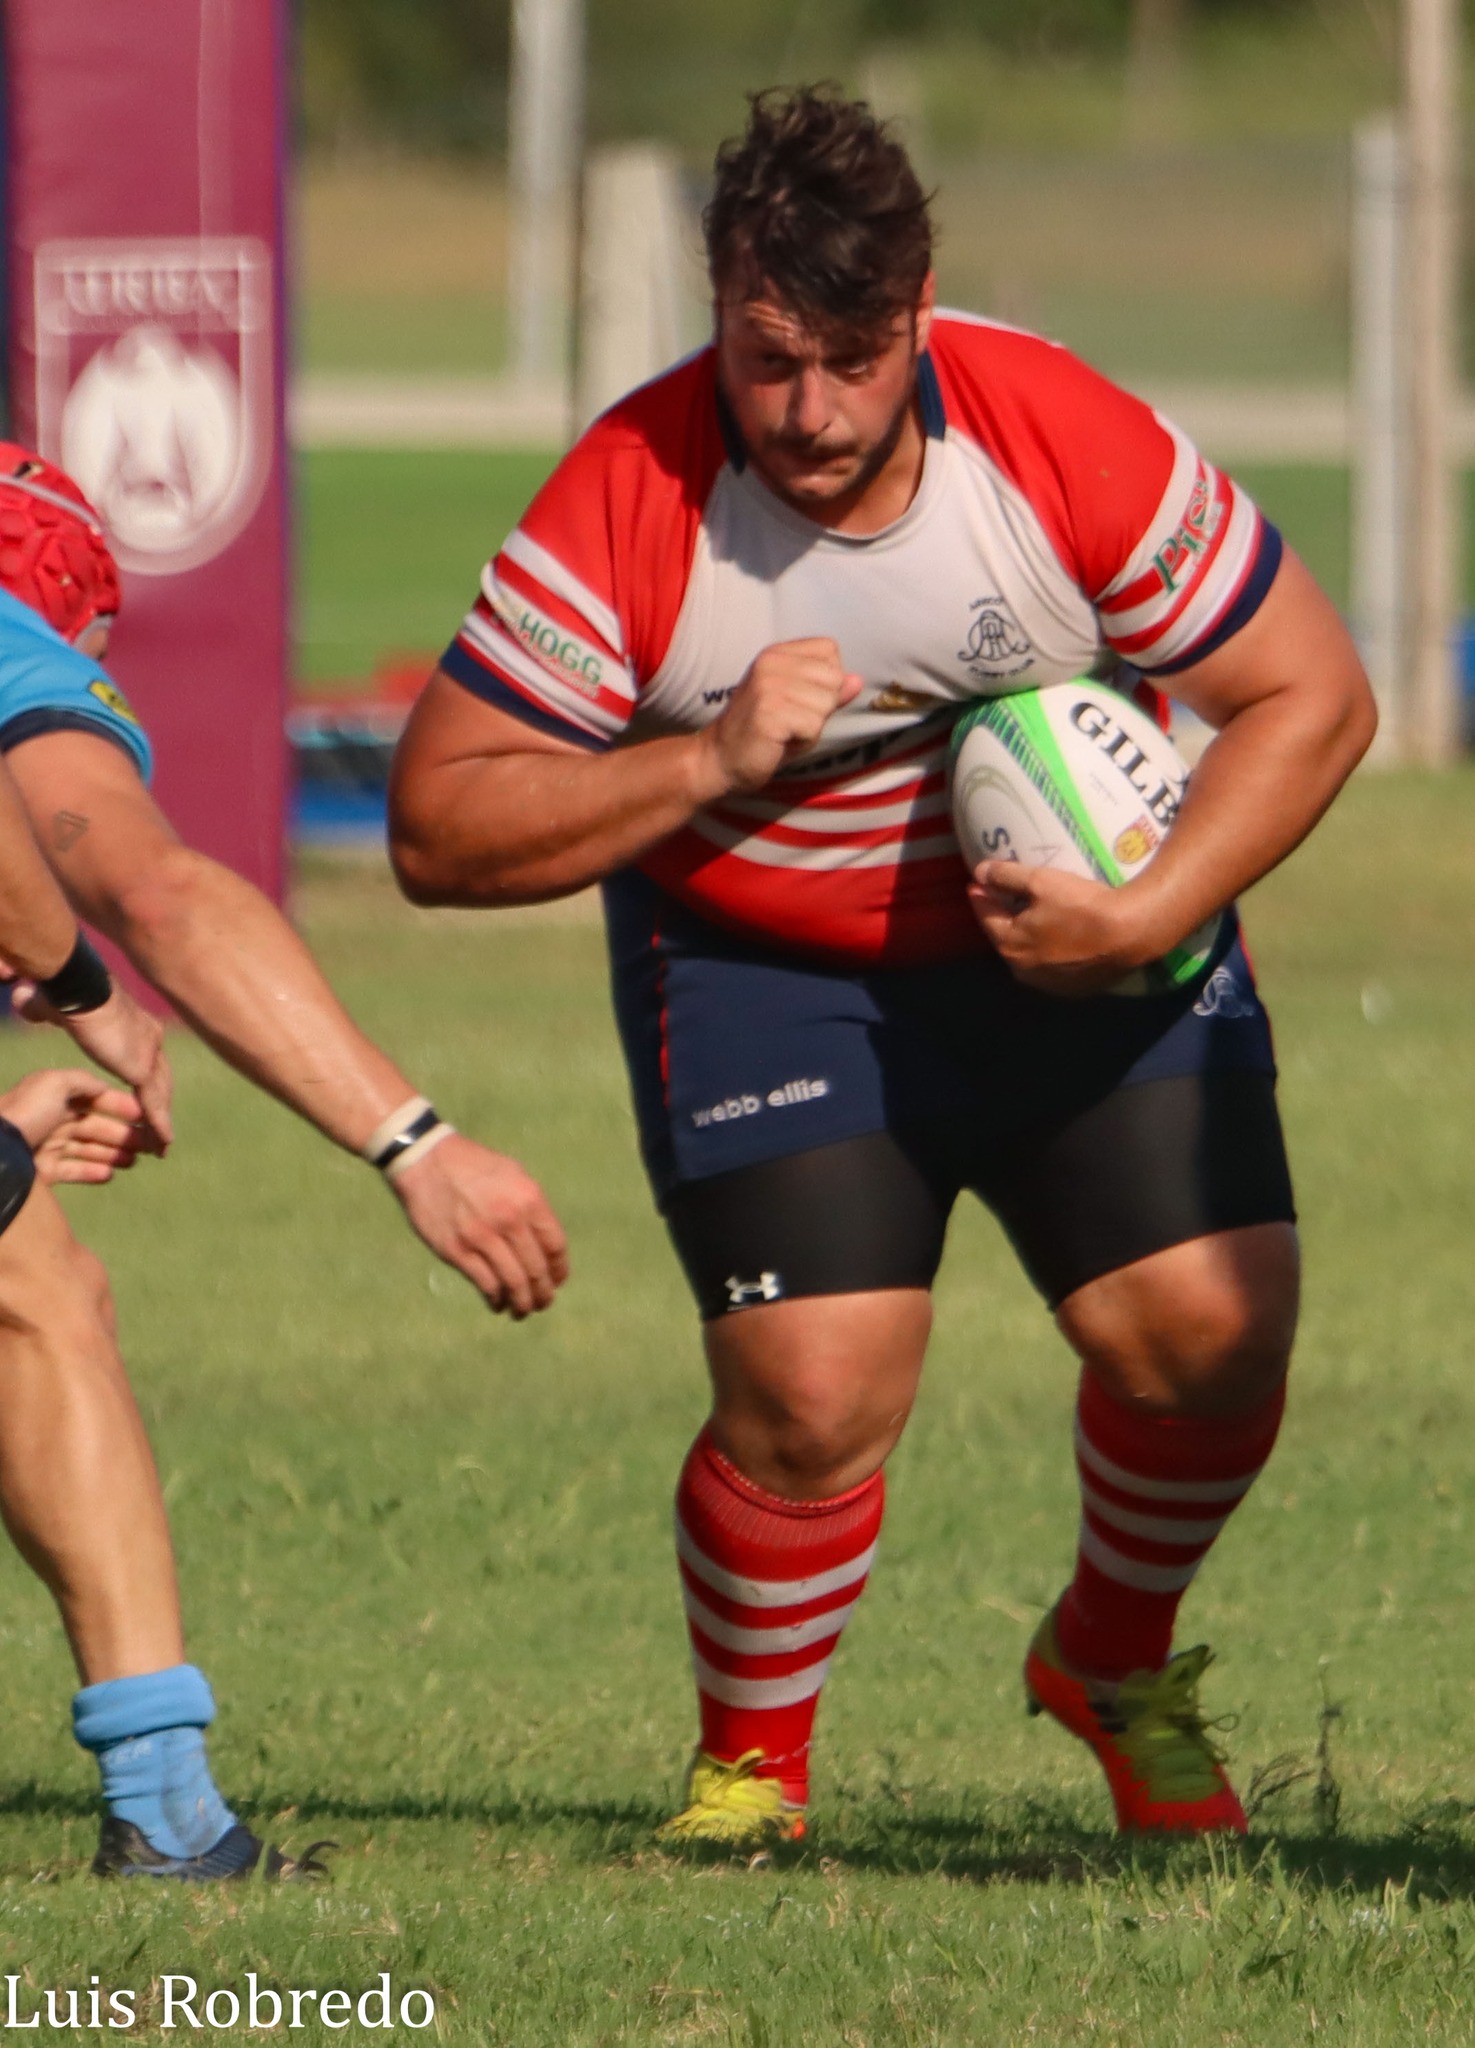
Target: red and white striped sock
column 1155, row 1492
column 769, row 1585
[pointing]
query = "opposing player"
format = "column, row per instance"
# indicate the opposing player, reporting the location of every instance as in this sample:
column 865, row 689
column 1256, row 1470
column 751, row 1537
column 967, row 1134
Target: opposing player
column 223, row 955
column 715, row 667
column 78, row 1489
column 231, row 964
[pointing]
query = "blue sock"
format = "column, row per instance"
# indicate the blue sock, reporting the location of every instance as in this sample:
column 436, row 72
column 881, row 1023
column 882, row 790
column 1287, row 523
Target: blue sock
column 148, row 1737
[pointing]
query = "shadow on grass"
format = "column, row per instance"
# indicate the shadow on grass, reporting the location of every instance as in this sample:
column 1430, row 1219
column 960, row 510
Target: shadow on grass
column 1022, row 1841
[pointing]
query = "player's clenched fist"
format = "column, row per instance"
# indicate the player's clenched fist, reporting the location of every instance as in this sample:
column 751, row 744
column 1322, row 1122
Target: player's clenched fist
column 778, row 710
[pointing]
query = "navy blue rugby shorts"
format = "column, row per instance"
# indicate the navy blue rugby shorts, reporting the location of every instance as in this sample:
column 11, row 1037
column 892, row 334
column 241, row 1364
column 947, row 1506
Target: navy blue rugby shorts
column 807, row 1128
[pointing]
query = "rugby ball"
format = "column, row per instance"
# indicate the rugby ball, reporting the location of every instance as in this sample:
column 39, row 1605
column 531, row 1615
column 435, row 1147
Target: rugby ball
column 1074, row 776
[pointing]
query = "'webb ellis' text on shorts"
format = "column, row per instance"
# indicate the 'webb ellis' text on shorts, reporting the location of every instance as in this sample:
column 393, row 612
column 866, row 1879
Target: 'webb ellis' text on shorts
column 734, row 1106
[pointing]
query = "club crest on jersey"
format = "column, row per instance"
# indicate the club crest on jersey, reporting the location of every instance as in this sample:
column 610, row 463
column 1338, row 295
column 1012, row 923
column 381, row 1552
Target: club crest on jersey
column 997, row 645
column 154, row 388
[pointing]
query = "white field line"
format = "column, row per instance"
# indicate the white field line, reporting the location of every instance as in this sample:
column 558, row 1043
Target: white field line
column 327, row 411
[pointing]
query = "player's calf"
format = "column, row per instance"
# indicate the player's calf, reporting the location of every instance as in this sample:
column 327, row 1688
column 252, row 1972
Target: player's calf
column 81, row 1499
column 1180, row 1403
column 768, row 1585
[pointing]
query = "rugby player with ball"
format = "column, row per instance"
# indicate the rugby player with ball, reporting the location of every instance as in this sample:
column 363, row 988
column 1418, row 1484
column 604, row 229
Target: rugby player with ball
column 716, row 668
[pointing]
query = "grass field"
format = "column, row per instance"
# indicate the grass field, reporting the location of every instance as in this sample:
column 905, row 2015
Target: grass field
column 426, row 1561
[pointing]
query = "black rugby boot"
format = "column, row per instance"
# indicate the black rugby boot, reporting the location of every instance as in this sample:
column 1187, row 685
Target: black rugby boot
column 125, row 1851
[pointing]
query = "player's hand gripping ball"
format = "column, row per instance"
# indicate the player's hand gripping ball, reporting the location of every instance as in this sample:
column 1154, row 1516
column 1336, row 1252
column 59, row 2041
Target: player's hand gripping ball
column 1076, row 778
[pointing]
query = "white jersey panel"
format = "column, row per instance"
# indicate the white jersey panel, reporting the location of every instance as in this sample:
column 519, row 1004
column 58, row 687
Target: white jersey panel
column 962, row 597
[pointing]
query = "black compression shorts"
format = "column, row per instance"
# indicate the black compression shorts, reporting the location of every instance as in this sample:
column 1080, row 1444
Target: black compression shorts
column 1147, row 1167
column 808, row 1126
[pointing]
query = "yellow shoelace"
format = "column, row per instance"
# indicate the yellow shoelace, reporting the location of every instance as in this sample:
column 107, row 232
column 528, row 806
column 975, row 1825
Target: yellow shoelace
column 727, row 1800
column 1163, row 1734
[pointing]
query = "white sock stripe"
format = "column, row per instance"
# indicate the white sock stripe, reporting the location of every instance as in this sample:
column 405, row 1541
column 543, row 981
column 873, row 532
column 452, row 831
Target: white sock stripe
column 759, row 1692
column 1230, row 1490
column 1158, row 1528
column 1131, row 1571
column 770, row 1592
column 766, row 1642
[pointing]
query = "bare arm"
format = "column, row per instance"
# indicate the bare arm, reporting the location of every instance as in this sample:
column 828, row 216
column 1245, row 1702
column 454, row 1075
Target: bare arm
column 234, row 968
column 37, row 934
column 37, row 930
column 485, row 809
column 224, row 956
column 1293, row 716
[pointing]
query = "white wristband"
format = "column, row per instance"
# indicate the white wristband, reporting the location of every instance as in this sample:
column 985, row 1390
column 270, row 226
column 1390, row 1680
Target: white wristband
column 416, row 1152
column 391, row 1127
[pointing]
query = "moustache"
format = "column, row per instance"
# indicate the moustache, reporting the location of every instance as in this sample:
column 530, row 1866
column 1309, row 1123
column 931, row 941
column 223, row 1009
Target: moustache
column 812, row 451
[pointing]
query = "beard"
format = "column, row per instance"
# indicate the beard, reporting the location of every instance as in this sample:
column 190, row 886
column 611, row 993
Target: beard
column 779, row 456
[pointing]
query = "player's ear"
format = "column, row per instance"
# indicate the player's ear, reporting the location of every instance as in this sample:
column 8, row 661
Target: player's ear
column 926, row 303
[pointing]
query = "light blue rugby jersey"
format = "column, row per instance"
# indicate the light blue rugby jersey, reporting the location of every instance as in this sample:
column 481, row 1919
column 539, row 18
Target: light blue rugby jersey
column 47, row 686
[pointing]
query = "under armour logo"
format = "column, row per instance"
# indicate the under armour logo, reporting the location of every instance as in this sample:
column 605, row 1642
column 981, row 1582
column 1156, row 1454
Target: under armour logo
column 743, row 1293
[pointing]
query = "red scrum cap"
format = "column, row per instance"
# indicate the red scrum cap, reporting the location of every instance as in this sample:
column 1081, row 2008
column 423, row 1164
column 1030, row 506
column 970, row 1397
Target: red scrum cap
column 53, row 556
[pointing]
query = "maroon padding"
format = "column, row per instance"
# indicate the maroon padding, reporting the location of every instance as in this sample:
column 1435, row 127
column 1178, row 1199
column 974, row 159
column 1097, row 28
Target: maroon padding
column 145, row 144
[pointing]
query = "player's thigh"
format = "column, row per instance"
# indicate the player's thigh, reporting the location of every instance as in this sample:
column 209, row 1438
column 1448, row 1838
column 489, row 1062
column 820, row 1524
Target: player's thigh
column 1159, row 1224
column 810, row 1396
column 1203, row 1328
column 48, row 1282
column 812, row 1276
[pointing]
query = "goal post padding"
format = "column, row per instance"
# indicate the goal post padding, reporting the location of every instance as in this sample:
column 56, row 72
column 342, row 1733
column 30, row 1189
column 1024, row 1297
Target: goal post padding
column 144, row 164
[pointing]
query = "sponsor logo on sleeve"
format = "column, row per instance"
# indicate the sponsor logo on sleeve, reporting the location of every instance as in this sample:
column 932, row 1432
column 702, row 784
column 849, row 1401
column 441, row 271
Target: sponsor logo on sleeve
column 109, row 694
column 552, row 646
column 1176, row 559
column 996, row 644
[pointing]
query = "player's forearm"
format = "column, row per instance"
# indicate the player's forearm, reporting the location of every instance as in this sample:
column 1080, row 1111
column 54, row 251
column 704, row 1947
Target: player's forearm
column 1263, row 783
column 37, row 930
column 526, row 827
column 238, row 974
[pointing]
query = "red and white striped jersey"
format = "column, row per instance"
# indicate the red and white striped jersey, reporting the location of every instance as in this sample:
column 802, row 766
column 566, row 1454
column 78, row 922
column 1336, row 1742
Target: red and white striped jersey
column 1060, row 526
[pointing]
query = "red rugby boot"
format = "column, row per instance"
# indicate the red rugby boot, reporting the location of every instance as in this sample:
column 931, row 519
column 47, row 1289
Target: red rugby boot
column 1165, row 1772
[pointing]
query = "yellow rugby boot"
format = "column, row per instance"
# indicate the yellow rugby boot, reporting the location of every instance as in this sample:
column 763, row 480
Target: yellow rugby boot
column 1165, row 1771
column 731, row 1808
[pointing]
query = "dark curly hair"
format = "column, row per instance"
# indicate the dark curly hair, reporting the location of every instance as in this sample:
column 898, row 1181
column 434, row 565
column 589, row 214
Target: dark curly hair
column 819, row 203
